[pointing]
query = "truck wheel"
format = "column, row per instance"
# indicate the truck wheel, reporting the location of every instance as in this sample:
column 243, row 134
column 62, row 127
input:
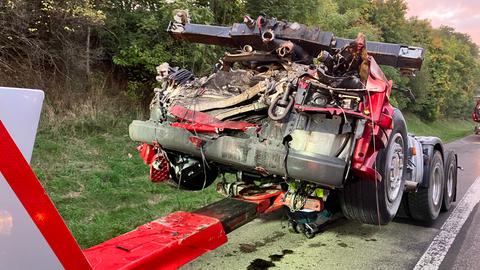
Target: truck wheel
column 450, row 189
column 372, row 202
column 192, row 175
column 425, row 204
column 403, row 211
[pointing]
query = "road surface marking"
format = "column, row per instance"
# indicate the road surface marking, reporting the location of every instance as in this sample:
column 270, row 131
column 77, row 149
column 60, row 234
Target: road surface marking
column 433, row 257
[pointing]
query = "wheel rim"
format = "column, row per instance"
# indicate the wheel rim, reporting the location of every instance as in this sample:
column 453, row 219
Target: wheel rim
column 395, row 172
column 451, row 170
column 436, row 185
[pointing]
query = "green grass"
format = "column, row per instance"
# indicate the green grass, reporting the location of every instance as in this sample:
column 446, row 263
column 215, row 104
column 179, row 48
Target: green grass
column 446, row 129
column 93, row 174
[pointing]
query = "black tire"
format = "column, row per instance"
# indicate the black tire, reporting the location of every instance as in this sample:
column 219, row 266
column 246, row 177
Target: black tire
column 194, row 177
column 292, row 226
column 358, row 199
column 403, row 211
column 425, row 204
column 309, row 233
column 450, row 186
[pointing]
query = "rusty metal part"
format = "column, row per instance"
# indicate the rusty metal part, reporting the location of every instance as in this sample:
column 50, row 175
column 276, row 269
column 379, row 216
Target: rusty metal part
column 231, row 189
column 285, row 48
column 310, row 203
column 285, row 102
column 247, row 48
column 285, row 109
column 250, row 56
column 274, row 193
column 217, row 104
column 268, row 36
column 226, row 113
column 312, row 40
column 249, row 21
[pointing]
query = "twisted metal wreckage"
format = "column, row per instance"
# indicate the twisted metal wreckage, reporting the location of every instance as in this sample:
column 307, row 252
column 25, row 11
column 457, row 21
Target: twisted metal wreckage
column 302, row 118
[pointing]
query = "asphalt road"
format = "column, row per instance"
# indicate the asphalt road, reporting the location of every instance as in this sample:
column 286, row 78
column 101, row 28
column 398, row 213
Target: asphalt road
column 266, row 242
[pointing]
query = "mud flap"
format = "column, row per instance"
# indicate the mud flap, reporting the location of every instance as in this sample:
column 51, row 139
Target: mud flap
column 154, row 157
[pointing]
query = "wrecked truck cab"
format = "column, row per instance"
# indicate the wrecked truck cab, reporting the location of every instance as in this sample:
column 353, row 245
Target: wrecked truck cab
column 289, row 106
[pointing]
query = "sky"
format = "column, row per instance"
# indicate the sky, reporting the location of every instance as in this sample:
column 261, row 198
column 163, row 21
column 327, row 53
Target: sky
column 463, row 15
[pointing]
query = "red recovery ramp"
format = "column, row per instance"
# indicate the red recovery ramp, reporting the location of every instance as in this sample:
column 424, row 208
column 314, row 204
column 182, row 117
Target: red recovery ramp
column 174, row 240
column 166, row 243
column 178, row 238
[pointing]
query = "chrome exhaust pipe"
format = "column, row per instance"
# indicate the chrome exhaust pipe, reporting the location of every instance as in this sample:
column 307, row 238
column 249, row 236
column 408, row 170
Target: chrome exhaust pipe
column 411, row 186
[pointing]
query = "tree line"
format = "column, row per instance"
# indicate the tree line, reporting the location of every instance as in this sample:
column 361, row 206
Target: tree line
column 76, row 45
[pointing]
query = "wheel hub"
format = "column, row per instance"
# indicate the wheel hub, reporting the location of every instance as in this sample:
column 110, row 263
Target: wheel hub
column 436, row 185
column 451, row 170
column 395, row 171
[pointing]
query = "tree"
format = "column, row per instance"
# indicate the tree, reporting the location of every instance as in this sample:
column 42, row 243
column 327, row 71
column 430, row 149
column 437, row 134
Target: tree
column 389, row 16
column 46, row 36
column 59, row 42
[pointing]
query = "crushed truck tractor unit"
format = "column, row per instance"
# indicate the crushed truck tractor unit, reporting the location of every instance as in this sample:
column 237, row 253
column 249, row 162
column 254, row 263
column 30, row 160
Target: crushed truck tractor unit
column 299, row 116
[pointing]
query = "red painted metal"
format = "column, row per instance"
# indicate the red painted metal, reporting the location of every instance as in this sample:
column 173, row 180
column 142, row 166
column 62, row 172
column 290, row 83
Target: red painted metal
column 195, row 127
column 197, row 141
column 160, row 168
column 332, row 111
column 377, row 130
column 273, row 198
column 155, row 159
column 204, row 121
column 275, row 201
column 264, row 199
column 378, row 112
column 166, row 243
column 171, row 241
column 476, row 112
column 314, row 204
column 277, row 204
column 34, row 199
column 147, row 153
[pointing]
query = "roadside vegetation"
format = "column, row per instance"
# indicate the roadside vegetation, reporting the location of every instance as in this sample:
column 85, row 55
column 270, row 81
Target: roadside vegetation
column 448, row 129
column 96, row 62
column 92, row 172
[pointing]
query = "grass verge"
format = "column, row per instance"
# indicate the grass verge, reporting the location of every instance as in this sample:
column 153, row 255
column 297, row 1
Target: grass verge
column 446, row 129
column 92, row 172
